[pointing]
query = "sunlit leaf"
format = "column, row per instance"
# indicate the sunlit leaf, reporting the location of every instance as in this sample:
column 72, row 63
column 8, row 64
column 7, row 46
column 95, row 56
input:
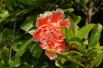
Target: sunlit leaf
column 69, row 10
column 77, row 19
column 67, row 33
column 28, row 24
column 94, row 36
column 84, row 30
column 3, row 15
column 16, row 45
column 23, row 48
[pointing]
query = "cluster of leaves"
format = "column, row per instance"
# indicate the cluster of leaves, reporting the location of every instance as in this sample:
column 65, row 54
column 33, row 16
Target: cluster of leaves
column 17, row 49
column 88, row 52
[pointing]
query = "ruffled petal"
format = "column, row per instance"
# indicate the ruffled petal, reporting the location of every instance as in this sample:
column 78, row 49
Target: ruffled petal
column 37, row 34
column 50, row 55
column 57, row 15
column 64, row 23
column 43, row 19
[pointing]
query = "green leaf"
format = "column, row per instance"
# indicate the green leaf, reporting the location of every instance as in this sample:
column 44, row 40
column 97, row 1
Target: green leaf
column 67, row 33
column 77, row 19
column 19, row 53
column 23, row 48
column 96, row 62
column 77, row 43
column 22, row 12
column 33, row 2
column 3, row 15
column 58, row 64
column 28, row 24
column 97, row 46
column 15, row 63
column 10, row 4
column 92, row 54
column 72, row 65
column 94, row 36
column 16, row 45
column 7, row 34
column 83, row 3
column 71, row 27
column 5, row 55
column 2, row 64
column 84, row 31
column 35, row 50
column 69, row 10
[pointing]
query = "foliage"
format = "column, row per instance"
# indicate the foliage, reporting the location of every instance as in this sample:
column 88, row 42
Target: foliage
column 17, row 22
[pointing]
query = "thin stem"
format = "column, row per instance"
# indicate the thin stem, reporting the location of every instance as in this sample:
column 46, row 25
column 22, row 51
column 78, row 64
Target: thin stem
column 1, row 36
column 12, row 40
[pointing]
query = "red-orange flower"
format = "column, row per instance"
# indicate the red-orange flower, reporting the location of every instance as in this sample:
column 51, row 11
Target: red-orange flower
column 49, row 34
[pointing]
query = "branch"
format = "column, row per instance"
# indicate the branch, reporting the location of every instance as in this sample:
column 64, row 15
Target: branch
column 66, row 57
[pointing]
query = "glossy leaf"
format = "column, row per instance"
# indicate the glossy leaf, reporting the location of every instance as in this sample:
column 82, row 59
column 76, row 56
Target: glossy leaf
column 84, row 30
column 94, row 36
column 67, row 33
column 35, row 50
column 23, row 48
column 16, row 45
column 97, row 46
column 69, row 10
column 28, row 24
column 5, row 55
column 77, row 19
column 3, row 15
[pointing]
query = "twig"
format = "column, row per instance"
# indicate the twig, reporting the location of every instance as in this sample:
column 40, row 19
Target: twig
column 12, row 39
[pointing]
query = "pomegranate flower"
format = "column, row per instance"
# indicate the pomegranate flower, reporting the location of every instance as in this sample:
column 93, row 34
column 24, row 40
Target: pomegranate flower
column 49, row 34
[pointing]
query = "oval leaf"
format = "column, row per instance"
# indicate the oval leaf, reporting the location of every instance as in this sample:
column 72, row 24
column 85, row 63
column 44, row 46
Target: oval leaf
column 84, row 31
column 94, row 36
column 28, row 24
column 5, row 55
column 67, row 33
